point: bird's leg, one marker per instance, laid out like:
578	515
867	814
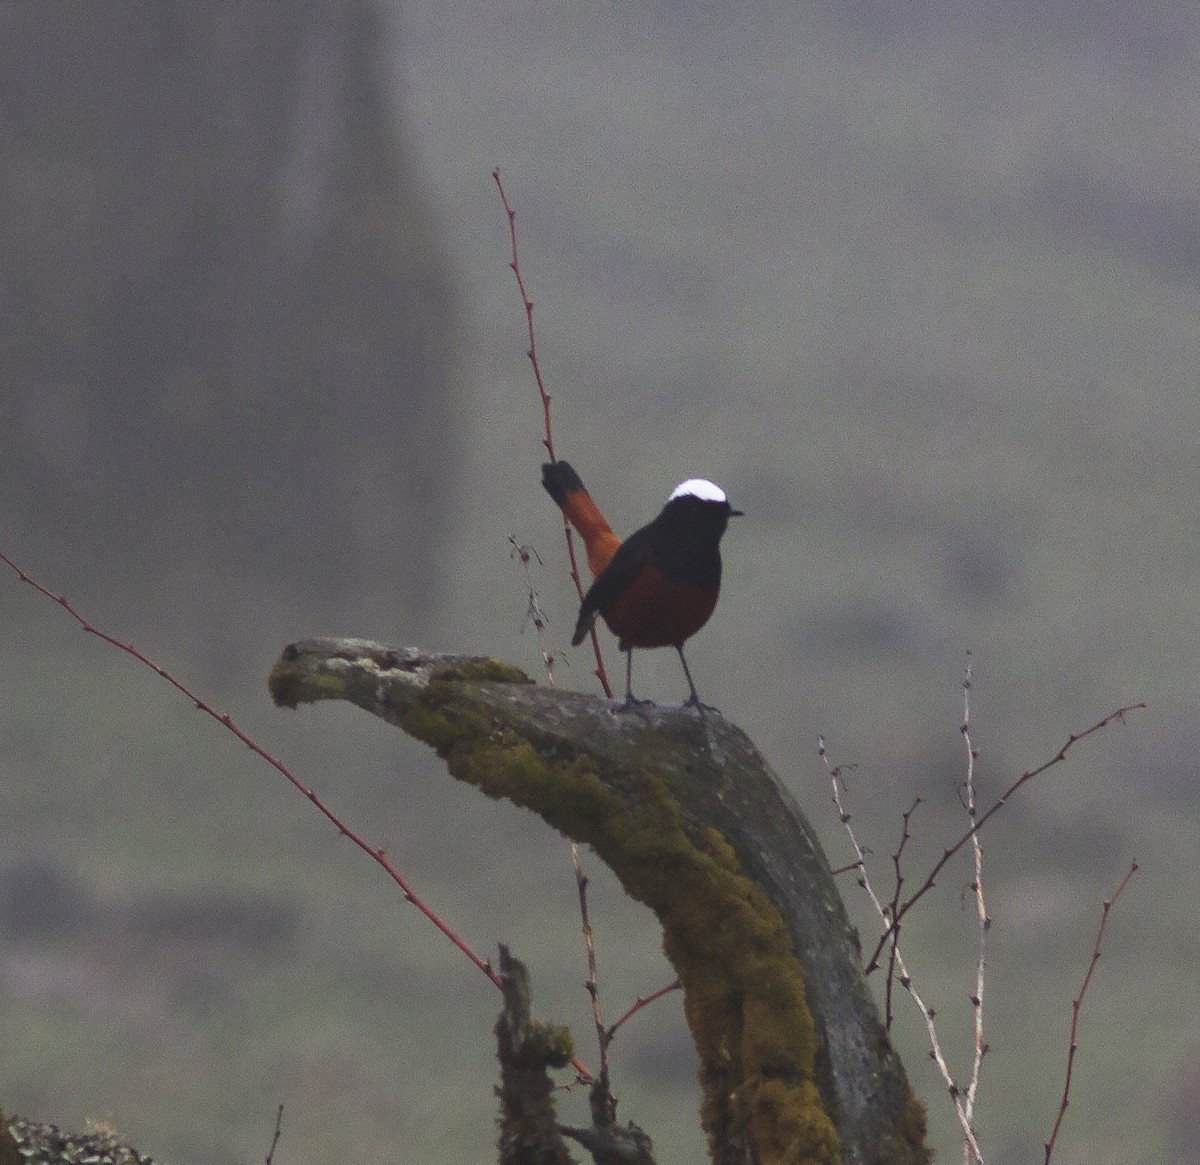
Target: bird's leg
631	704
693	701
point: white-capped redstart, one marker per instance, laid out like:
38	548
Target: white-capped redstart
659	586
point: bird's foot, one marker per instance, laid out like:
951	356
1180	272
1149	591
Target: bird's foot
632	704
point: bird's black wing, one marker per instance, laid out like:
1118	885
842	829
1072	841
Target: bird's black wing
614	580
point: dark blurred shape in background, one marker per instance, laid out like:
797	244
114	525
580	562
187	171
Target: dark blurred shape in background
227	333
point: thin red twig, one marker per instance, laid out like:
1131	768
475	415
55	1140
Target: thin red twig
275	1139
515	266
1024	778
548	439
639	1003
226	721
1077	1004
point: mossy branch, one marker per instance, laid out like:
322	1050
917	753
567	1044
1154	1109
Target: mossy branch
795	1064
529	1133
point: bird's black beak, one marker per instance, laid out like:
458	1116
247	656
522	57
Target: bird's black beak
736	514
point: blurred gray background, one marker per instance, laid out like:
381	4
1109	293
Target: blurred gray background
919	285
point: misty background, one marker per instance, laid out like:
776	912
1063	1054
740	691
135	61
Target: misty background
920	286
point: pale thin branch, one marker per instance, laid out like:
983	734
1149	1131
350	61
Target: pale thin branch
905	838
604	1035
927	1014
1118	715
980	909
591	983
533	611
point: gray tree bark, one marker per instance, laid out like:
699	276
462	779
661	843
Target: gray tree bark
795	1063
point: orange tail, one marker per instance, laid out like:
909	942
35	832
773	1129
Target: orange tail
563	485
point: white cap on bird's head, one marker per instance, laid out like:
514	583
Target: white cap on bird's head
698	487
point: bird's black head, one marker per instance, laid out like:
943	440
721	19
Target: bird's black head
700	507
